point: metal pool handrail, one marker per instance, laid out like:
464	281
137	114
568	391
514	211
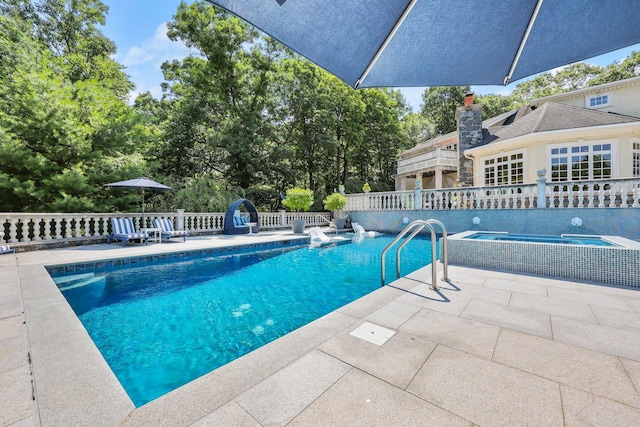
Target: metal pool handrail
417	226
330	223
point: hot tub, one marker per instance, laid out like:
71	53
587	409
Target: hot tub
611	260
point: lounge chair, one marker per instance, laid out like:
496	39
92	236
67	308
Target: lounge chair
360	231
167	230
123	230
237	223
5	249
316	235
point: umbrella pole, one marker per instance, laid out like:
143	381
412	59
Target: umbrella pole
143	224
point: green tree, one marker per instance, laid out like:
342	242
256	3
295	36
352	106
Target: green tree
59	140
69	29
310	124
439	106
375	159
494	105
417	128
571	77
218	100
626	69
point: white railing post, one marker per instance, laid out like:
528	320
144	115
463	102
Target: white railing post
542	192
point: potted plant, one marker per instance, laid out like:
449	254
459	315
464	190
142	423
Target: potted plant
335	202
298	199
366	188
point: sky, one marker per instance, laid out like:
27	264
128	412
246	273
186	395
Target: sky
139	30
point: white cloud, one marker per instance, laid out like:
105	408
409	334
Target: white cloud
157	49
143	62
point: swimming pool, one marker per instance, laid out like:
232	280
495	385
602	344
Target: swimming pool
611	260
161	323
564	239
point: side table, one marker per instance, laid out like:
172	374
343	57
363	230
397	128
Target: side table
155	234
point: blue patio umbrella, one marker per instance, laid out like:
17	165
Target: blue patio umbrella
404	43
142	184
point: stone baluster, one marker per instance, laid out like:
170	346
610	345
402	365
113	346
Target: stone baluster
601	196
57	227
623	195
636	195
38	224
13	231
101	226
570	197
47	228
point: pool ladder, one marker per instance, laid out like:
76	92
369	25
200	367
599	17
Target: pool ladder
417	227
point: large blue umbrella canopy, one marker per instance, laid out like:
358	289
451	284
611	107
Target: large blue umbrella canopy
142	184
404	43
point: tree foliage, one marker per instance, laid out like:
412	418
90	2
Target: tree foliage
59	137
439	105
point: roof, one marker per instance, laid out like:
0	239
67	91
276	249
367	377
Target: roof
551	117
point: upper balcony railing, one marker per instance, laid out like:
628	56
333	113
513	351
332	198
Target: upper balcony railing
437	157
617	193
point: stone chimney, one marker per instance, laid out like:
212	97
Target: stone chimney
469	120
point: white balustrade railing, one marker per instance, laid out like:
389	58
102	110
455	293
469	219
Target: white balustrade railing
619	193
43	227
615	193
434	154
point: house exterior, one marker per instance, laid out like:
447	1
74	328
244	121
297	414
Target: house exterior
587	134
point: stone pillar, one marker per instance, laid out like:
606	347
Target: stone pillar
542	189
418	192
469	120
180	220
438	181
403	183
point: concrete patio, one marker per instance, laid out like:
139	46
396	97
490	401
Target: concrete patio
490	349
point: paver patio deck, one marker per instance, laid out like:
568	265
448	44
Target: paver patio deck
490	348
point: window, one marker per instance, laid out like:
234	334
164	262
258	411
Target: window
504	169
636	158
581	162
597	101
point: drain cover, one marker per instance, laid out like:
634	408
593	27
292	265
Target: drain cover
373	333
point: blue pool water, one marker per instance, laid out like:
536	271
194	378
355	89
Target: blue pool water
538	238
164	323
